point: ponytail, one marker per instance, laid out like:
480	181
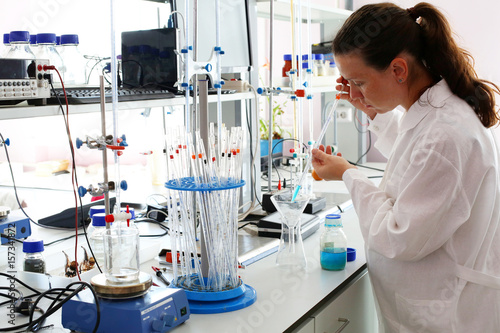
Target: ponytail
380	32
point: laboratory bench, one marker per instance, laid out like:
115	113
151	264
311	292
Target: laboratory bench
305	301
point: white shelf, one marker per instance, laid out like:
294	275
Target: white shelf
23	110
318	13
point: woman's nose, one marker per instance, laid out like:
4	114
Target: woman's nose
355	92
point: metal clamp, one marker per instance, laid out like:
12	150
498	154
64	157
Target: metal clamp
345	322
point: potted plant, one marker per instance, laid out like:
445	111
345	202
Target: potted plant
278	132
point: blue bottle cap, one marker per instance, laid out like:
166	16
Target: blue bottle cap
69	39
351	254
333	220
45	38
305	65
318	56
99	220
6	38
32	245
287	57
96	209
19	36
32	39
305	57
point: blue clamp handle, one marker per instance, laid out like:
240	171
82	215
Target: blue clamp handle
208	67
123	185
7	142
82	191
79	143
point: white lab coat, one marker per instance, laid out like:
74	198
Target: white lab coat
432	229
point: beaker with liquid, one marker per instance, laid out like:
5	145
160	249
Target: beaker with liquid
291	249
121	252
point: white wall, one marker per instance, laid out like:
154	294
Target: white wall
475	24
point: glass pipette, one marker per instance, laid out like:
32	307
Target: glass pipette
316	145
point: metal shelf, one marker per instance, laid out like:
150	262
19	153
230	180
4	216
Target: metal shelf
318	13
23	110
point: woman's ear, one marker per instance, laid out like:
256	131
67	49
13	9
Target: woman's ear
399	69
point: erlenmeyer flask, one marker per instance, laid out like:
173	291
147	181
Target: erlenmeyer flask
291	250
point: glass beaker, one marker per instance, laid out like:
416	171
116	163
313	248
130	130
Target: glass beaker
291	249
121	252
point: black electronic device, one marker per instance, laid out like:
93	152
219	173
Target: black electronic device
313	206
149	59
23	79
66	218
270	225
93	95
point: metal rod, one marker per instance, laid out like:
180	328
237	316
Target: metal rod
104	151
271	120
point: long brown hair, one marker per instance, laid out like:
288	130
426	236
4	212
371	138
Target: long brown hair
379	32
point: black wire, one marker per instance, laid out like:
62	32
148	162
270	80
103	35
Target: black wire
12	289
369	147
8	296
366	167
247	223
10	238
149	220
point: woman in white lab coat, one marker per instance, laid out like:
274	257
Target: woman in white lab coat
431	228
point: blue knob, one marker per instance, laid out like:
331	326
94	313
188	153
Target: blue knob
222	82
7	142
293	98
279	88
123	185
190	47
124	141
79	143
292	72
309	97
217	86
184	84
309	143
217	48
208	67
222	52
294	155
260	91
184	51
309	70
190	87
82	191
305	84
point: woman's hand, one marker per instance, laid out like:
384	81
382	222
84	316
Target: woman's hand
345	94
327	166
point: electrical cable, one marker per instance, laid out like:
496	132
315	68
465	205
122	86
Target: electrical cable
368	149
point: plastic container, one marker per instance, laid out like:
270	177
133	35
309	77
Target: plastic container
319	65
333	70
47	50
33	256
333	244
96	233
20	45
121	252
74	62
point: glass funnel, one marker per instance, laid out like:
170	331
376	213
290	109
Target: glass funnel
291	250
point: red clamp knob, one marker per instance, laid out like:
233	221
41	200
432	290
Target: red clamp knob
300	93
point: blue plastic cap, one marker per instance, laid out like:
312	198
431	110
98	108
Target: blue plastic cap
351	254
294	155
69	39
305	57
124	185
318	57
305	65
45	38
333	220
309	97
222	52
33	39
217	86
6	38
260	91
217	48
99	220
287	57
19	36
96	209
184	51
79	143
32	245
82	191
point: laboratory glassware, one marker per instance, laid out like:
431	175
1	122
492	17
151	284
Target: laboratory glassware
33	255
333	244
121	252
291	249
46	50
74	63
96	233
20	45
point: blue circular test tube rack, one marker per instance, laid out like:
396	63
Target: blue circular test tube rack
206	301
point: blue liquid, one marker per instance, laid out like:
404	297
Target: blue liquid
332	259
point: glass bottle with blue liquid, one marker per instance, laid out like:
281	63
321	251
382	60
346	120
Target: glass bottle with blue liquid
333	244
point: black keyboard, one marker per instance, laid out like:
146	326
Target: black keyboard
93	95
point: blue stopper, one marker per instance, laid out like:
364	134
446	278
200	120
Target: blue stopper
123	185
82	191
79	143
